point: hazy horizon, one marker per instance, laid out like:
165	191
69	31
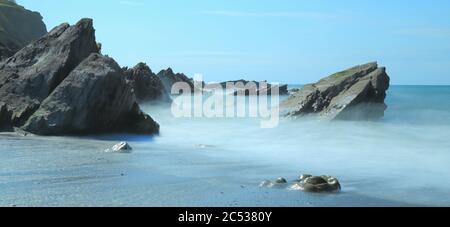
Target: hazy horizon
294	42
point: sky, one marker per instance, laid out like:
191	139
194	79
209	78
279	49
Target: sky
286	41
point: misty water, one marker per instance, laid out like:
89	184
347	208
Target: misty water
402	160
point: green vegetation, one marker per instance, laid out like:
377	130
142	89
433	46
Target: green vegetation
18	27
12	4
344	73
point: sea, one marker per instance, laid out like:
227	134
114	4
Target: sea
401	160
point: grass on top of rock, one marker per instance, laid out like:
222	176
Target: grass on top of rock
6	3
343	74
3	19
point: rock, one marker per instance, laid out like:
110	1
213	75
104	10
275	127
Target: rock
278	183
293	91
61	85
266	184
18	28
31	75
303	177
317	184
281	180
122	147
257	88
357	93
93	98
169	78
147	86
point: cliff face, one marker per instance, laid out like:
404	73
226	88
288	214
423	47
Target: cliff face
18	28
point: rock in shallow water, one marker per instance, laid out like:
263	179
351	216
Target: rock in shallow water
281	180
122	147
306	183
278	183
357	93
318	184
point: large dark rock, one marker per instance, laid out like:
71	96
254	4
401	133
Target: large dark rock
147	86
28	77
61	85
169	78
94	98
357	93
18	28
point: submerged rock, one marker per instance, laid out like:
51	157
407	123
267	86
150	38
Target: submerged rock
357	93
147	86
278	183
306	183
18	28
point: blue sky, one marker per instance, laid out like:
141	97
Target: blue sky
289	41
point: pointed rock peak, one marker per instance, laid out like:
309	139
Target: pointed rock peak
56	31
169	71
85	22
142	66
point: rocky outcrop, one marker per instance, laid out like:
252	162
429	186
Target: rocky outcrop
357	93
256	88
94	98
18	28
147	86
28	77
169	78
61	85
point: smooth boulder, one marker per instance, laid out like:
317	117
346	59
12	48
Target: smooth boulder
357	93
318	184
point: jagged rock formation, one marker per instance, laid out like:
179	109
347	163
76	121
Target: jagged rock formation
18	28
169	78
147	86
256	88
60	84
357	93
